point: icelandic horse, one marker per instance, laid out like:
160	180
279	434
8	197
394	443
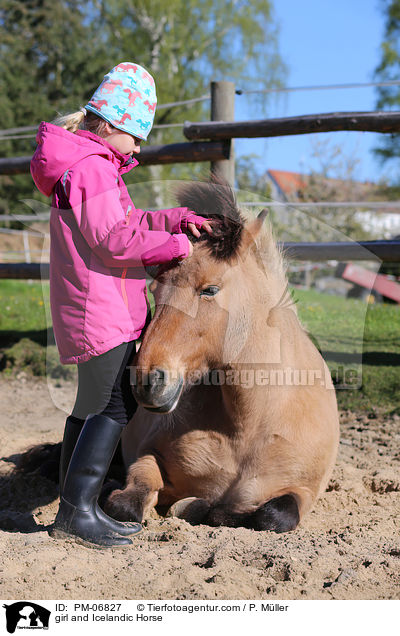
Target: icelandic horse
236	405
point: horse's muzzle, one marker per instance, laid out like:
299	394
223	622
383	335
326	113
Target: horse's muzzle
156	391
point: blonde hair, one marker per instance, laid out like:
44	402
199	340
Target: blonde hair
81	119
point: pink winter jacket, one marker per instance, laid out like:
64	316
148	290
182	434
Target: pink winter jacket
99	242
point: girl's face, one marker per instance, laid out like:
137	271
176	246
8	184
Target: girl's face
123	142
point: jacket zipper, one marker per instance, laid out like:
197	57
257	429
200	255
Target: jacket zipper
123	275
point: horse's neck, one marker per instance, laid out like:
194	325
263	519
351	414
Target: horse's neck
271	312
234	402
246	405
203	407
272	344
271	335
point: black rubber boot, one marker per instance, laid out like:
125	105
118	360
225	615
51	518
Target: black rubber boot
73	427
78	515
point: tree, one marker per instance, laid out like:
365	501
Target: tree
186	44
44	69
58	52
388	70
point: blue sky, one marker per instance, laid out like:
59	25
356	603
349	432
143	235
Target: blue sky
323	42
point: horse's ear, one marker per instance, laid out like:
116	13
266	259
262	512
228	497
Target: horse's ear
153	285
251	231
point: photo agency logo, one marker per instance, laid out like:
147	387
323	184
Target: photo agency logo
26	615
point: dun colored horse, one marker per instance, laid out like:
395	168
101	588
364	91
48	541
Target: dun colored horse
237	407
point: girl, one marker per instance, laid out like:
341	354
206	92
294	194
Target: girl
100	245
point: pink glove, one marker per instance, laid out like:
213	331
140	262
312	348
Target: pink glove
193	218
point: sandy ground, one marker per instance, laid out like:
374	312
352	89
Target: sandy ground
347	548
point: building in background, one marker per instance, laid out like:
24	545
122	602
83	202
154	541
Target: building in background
377	221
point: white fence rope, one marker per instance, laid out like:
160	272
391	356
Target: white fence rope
23	251
321	87
6	230
25	217
377	206
9	133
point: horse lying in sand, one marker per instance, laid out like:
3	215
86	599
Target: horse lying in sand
237	408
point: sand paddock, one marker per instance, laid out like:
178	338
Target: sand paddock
348	547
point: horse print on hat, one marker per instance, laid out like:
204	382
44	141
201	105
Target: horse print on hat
127	99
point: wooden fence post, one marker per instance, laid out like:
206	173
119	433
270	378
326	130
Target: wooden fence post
223	109
27	250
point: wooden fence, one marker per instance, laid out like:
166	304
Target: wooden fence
152	155
339	251
212	141
382	122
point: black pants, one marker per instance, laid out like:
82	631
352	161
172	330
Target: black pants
104	385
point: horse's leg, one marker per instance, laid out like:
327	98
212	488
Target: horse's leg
140	494
192	509
277	515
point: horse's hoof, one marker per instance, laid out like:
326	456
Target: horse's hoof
191	509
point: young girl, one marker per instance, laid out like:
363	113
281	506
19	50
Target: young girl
100	244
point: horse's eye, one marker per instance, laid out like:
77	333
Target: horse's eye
211	290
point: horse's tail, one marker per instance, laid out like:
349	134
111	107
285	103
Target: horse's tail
41	458
277	515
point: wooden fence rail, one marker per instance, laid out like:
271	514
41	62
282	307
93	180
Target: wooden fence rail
383	122
153	155
385	251
21	271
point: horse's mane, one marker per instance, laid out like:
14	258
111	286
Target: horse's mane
216	200
271	254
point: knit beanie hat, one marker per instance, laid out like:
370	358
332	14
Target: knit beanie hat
127	99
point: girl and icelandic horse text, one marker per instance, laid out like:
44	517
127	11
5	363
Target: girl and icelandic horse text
255	453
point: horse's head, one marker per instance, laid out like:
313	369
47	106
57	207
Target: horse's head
202	302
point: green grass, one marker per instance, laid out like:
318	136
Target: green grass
22	305
26	342
361	343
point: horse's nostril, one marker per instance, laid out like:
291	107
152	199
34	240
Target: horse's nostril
157	377
158	389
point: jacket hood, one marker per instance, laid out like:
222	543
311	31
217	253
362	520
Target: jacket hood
59	149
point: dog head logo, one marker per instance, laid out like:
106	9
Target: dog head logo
26	615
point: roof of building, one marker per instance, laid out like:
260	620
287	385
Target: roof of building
290	183
294	186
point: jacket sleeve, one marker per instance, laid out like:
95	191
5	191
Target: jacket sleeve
123	247
173	220
169	220
94	198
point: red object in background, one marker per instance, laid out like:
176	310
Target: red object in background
379	282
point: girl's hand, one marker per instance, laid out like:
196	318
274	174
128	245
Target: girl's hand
194	222
204	226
